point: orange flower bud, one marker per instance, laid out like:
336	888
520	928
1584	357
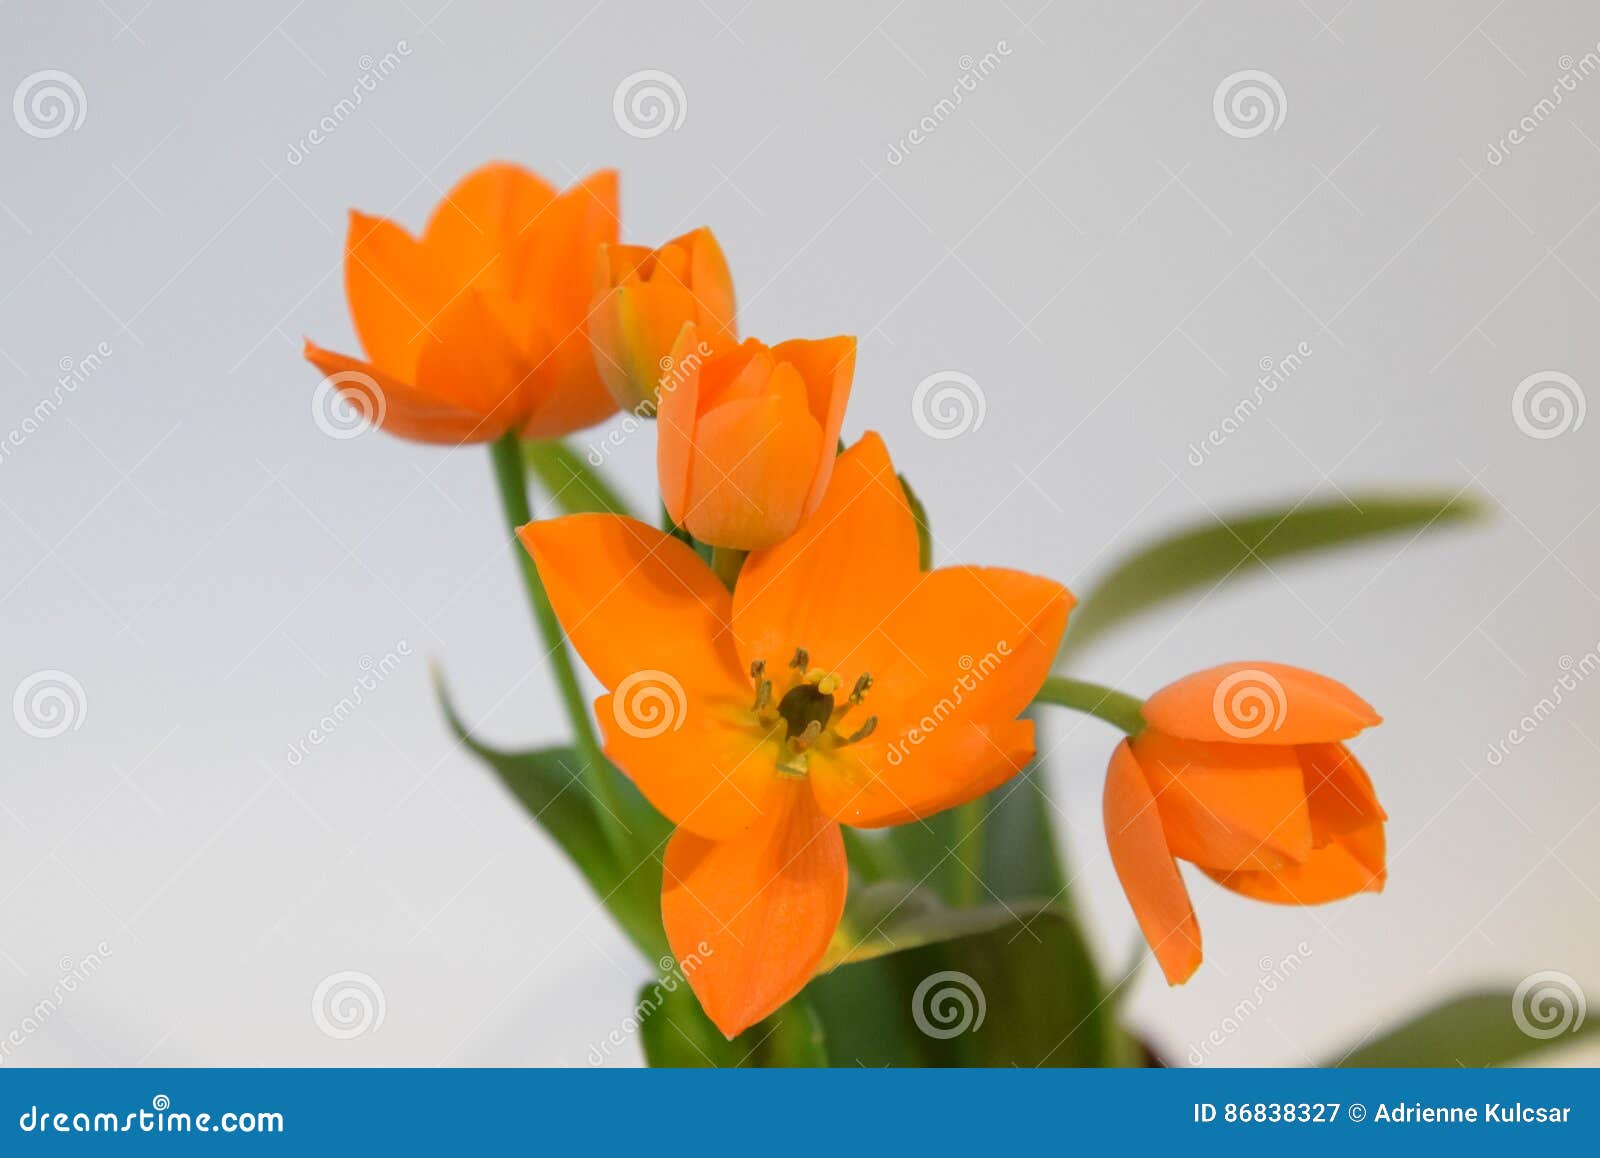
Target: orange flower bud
747	438
1242	771
644	298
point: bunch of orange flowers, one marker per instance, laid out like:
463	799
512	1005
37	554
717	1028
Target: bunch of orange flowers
807	651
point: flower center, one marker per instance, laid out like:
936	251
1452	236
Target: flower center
808	709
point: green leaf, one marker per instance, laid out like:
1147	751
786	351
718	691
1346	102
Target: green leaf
548	783
1216	550
892	917
1020	853
572	483
924	528
924	850
1474	1030
676	1033
862	1008
793	1037
1043	996
1032	981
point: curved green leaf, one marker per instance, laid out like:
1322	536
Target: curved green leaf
676	1033
1215	550
1475	1030
572	483
892	917
548	783
924	528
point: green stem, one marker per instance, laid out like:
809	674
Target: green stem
1116	708
969	851
508	472
726	561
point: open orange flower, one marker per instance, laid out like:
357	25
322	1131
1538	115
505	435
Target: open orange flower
645	297
478	327
837	684
1241	771
747	438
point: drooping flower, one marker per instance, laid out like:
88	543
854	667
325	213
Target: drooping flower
746	439
837	684
478	327
644	298
1242	771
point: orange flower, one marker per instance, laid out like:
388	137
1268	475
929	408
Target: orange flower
1241	771
747	438
837	684
645	297
478	327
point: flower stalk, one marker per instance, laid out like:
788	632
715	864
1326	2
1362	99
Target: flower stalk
506	453
1118	709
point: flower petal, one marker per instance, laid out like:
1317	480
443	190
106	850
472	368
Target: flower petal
828	366
757	910
632	599
1228	806
395	290
563	243
556	293
701	759
713	287
478	232
874	783
751	466
952	666
973	642
632	330
469	359
395	406
1339	791
678	402
829	585
1259	703
1148	873
1353	863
